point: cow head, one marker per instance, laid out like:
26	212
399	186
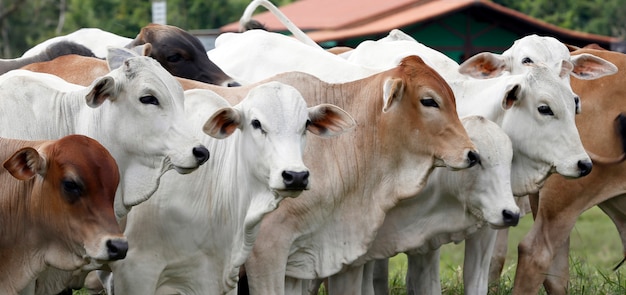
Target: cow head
534	50
74	183
141	109
181	54
539	119
485	189
418	96
273	120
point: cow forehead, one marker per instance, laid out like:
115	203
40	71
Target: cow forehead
416	72
542	81
152	74
276	103
81	158
547	50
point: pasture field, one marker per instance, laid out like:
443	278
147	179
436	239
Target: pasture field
595	250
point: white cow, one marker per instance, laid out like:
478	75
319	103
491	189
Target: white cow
525	52
135	111
192	236
93	38
284	53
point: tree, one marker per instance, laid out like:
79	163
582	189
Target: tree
603	17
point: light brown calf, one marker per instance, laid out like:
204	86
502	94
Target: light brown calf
56	208
543	253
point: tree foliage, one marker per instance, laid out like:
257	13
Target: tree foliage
603	17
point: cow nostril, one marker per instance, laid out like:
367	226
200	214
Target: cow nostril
585	167
117	249
296	180
233	84
510	218
201	153
473	158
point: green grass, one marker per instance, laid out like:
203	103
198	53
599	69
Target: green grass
595	250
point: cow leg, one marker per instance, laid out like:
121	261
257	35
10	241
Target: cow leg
498	257
267	262
314	286
367	282
615	208
478	249
536	251
346	282
422	276
295	286
557	282
381	276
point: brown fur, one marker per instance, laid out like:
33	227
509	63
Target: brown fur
38	216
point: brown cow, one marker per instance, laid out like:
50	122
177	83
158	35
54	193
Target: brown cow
543	253
181	54
56	208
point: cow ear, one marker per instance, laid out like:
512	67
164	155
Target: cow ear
117	55
101	89
328	120
511	96
483	66
143	49
25	163
392	91
566	69
590	67
223	123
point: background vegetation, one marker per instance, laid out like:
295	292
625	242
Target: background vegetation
24	23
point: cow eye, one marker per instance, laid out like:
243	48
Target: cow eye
149	99
429	102
527	60
256	124
72	190
545	110
174	58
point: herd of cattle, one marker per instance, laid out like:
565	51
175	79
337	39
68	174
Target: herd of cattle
408	151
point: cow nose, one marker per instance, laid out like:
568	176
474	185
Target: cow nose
233	84
510	218
296	180
117	249
473	158
201	153
585	167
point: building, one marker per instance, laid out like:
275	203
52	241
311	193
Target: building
458	28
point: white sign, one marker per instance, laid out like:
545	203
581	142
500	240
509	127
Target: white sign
159	12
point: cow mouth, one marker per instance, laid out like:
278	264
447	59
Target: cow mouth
168	165
287	193
184	170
